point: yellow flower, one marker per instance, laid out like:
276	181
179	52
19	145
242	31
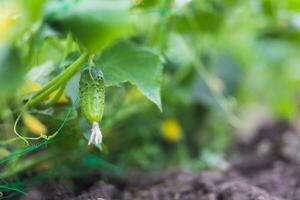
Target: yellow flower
134	94
62	99
34	125
7	20
30	87
171	130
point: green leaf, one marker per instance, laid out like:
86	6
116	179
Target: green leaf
197	19
140	66
95	24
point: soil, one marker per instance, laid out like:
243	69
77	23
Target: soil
266	167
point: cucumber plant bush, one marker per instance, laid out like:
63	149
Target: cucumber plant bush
170	70
47	46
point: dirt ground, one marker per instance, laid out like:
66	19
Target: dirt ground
264	167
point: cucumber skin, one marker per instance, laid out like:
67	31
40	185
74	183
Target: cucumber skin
92	94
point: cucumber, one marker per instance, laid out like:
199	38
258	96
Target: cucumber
92	100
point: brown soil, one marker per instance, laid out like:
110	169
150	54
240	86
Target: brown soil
266	168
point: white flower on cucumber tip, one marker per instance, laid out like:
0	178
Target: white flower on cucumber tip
96	136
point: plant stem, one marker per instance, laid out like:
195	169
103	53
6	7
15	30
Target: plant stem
58	81
207	77
34	32
28	163
123	113
164	9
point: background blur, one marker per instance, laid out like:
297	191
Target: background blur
229	67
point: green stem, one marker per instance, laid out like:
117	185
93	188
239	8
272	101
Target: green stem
58	81
219	98
207	77
164	5
32	50
28	163
123	113
6	142
11	189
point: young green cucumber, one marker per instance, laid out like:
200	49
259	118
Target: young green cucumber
92	95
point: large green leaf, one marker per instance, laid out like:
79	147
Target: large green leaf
95	24
140	66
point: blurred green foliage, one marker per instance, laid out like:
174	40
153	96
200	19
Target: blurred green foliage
204	63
